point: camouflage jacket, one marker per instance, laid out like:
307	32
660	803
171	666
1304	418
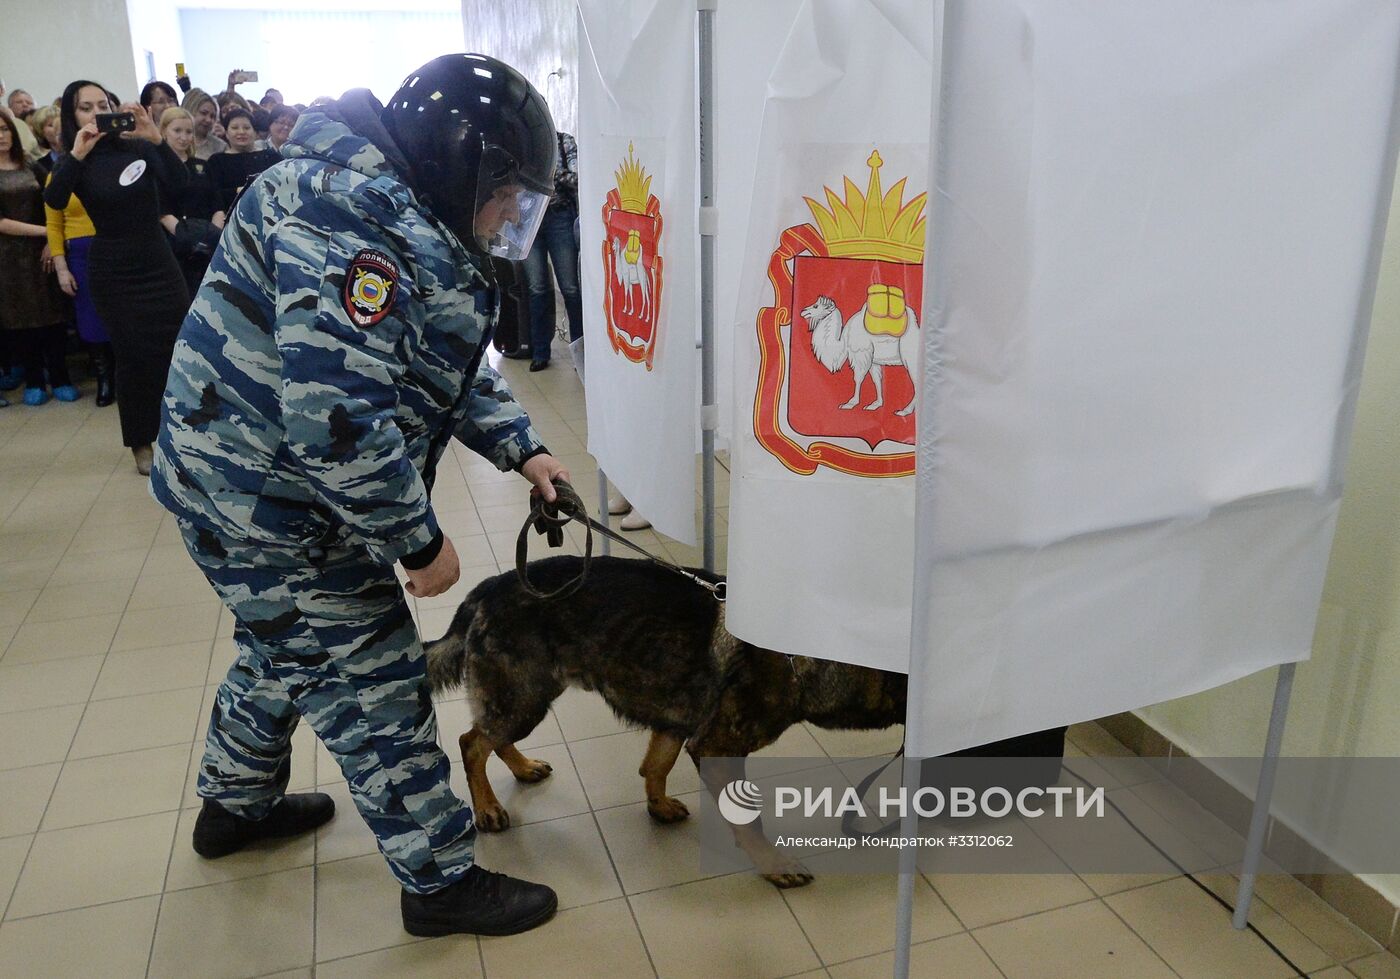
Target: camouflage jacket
331	354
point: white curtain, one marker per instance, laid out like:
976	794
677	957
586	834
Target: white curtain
1154	249
826	342
637	204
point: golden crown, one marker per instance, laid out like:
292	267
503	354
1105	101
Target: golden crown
873	224
633	184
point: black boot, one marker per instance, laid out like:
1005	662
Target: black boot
481	903
218	832
106	378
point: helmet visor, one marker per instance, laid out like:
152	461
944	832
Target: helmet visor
508	212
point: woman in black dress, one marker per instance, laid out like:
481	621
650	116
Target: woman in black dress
191	216
235	167
136	283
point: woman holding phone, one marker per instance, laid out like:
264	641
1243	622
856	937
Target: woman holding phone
136	283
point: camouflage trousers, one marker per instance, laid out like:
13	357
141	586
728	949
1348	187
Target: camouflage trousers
326	634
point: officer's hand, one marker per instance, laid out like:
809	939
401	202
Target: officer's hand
437	577
541	471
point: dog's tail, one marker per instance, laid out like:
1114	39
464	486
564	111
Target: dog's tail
447	657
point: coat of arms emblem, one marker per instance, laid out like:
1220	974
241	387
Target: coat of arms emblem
839	347
631	263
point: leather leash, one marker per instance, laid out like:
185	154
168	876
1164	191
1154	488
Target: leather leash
550	519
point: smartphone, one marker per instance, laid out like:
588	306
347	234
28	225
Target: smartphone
115	122
179	69
250	76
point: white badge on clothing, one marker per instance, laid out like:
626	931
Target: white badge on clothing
132	173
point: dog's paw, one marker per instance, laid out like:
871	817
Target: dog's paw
788	875
667	809
533	770
492	818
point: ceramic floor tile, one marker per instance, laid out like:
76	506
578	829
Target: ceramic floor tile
454	957
954	957
140	671
1193	934
583	714
1086	941
129	723
1314	917
242	928
112	941
59	602
346	835
1272	925
981	899
357	908
110	565
52	684
25	792
1382	965
532	852
608	768
13	851
41	642
600	938
225	654
136	783
88	865
183	589
859	744
100	538
735	926
847	915
26	575
14	606
649	855
147	628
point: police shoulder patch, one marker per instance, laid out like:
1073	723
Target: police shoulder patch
371	282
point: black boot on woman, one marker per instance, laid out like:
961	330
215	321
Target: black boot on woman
105	370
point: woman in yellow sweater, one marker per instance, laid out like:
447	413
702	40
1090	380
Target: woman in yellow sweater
70	237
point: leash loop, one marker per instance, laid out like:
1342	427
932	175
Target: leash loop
550	519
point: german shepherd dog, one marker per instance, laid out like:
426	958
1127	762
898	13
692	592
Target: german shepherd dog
654	646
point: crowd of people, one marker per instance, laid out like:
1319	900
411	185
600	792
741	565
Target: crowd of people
105	235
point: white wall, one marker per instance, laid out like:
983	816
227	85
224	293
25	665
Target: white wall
310	53
155	27
61	40
536	37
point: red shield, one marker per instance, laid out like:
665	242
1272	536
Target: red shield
823	402
807	387
632	299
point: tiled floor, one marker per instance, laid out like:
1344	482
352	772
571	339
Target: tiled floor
112	645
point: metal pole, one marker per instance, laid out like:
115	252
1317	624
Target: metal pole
1268	769
605	545
707	219
921	616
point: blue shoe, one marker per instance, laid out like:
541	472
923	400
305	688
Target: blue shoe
11	379
4	403
34	397
67	392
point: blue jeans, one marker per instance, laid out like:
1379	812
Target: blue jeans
554	245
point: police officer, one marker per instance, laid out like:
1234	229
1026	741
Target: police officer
332	353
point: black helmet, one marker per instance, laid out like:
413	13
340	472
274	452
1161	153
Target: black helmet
481	144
